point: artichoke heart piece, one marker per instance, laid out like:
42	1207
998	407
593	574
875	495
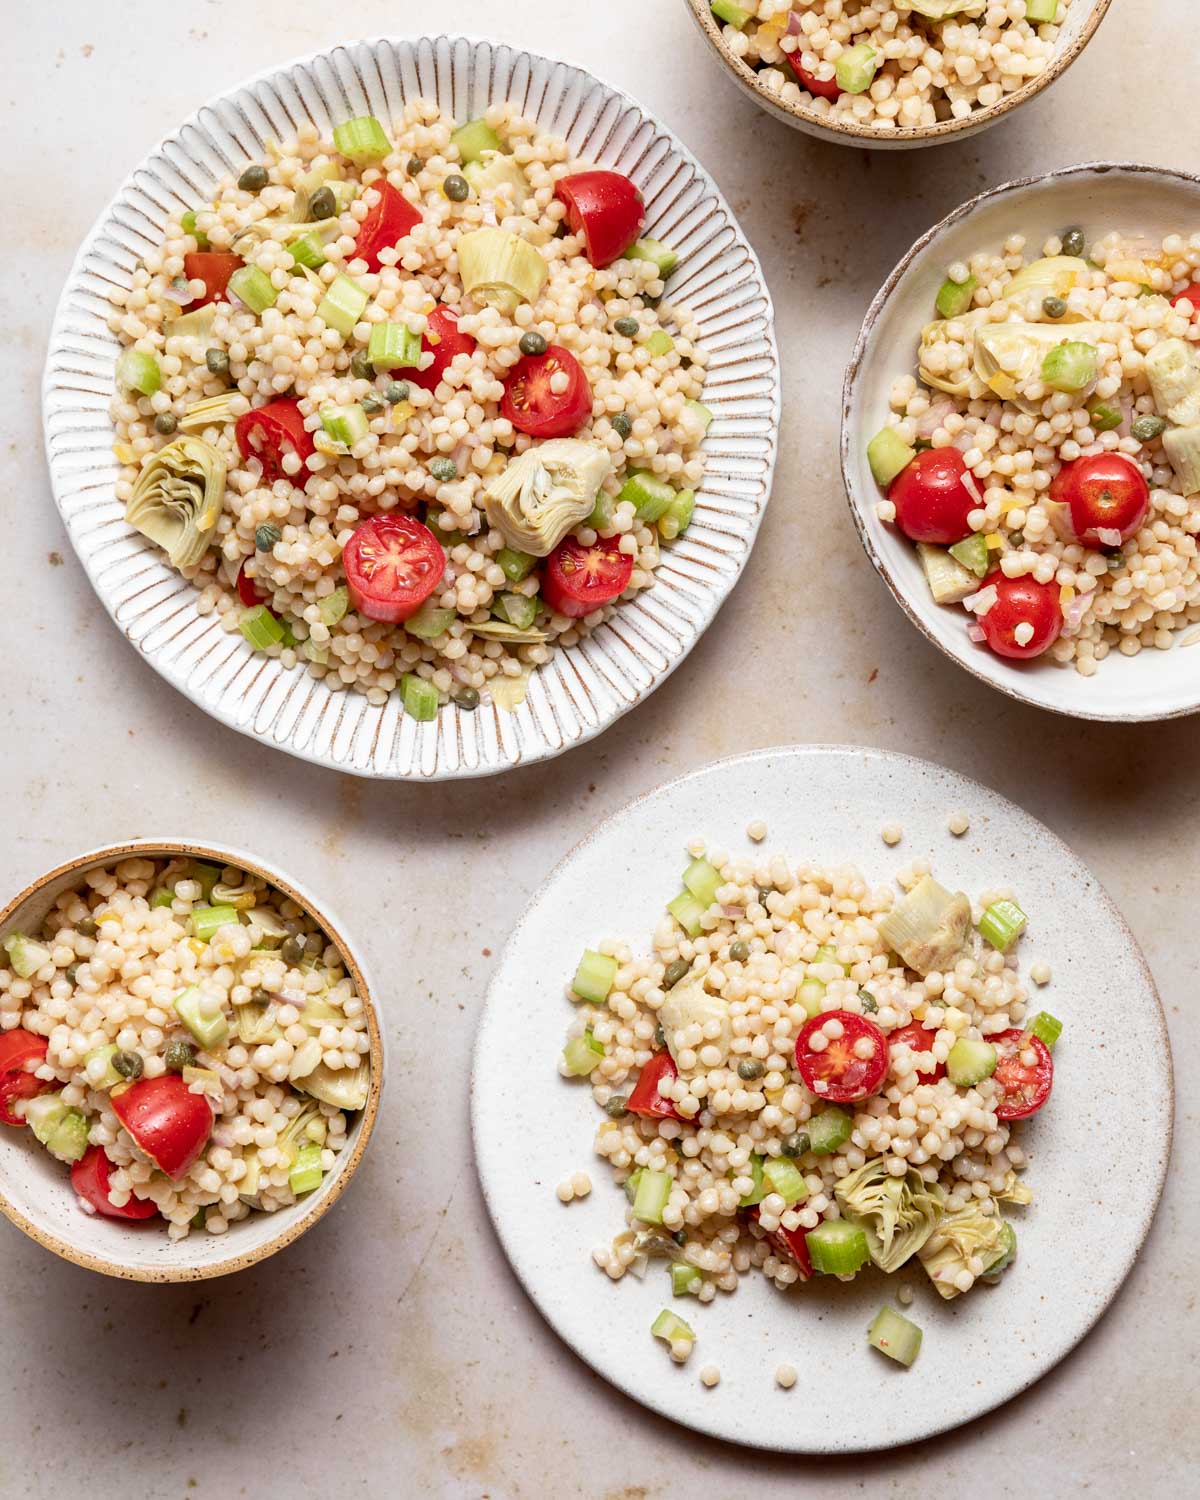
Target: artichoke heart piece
965	382
1006	355
1014	1190
197	324
690	1004
544	492
176	499
956	1238
514	635
500	269
344	1088
897	1214
210	411
495	174
1052	276
928	927
1173	371
1182	447
938	10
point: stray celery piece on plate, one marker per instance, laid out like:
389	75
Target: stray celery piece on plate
1046	1028
702	412
889	455
688	912
581	1054
595	976
703	880
894	1335
837	1247
260	627
1002	924
686	1281
363	140
670	1326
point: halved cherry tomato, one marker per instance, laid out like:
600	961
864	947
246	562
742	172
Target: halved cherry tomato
166	1120
644	1099
270	431
443	340
1024	1087
248	591
213	268
1022	601
836	1072
89	1178
1189	294
606	208
920	1039
19	1051
532	406
1105	493
386	224
932	497
579	579
821	88
794	1244
393	563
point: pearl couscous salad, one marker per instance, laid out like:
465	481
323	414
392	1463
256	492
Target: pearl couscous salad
1046	458
183	1038
407	404
888	67
809	1076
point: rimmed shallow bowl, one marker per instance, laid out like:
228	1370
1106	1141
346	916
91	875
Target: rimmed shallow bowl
1092	1204
1077	31
582	690
35	1190
1100	196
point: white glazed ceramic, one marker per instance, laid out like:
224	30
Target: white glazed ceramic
1077	31
583	690
1100	197
35	1190
1100	1148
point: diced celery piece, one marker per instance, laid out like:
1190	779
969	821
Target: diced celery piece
855	69
595	976
581	1054
631	1183
429	622
515	565
972	553
25	956
786	1179
678	515
810	994
138	371
732	14
393	346
829	1130
1046	1028
1002	924
304	1174
334	606
260	627
760	1189
44	1114
162	896
1040	12
970	1062
188	224
670	1326
703	880
308	250
889	455
896	1336
650	495
345	424
653	1190
1105	418
658	343
701	412
688	912
662	255
70	1140
208	1030
110	1077
954	297
419	697
343	304
517	609
254	288
601	516
363	140
205	920
474	138
206	876
686	1281
837	1248
1070	367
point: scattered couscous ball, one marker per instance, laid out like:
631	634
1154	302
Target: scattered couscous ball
756	831
891	833
578	1185
958	823
785	1377
1040	973
710	1376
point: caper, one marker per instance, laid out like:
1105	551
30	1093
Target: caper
322	204
1073	242
265	536
796	1145
443	469
869	1003
371	405
1147	428
622	425
179	1055
750	1067
291	950
72	973
532	343
1054	307
763	892
86	928
165	423
254	178
456	188
660	1038
216	361
261	997
617	1107
396	391
739	951
415	165
675	972
361	367
626	327
467	698
1115	560
128	1064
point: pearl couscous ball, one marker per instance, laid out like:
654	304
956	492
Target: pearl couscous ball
129	986
892	67
422	453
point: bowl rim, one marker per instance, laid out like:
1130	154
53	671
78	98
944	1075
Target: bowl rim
348	1165
909	135
541	747
979	664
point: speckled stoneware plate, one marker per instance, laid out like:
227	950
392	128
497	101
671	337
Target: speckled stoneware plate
583	690
1100	196
1093	1202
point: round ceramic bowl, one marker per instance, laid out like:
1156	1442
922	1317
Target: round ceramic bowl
35	1190
1077	31
582	690
1099	196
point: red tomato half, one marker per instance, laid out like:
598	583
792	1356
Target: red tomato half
213	268
836	1072
166	1120
579	579
530	404
386	224
920	1039
932	497
1105	493
606	209
19	1051
393	564
1023	1087
89	1178
248	590
1022	601
443	340
794	1244
645	1100
1189	294
270	431
820	88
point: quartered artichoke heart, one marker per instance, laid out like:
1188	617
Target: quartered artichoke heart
928	927
515	635
210	411
897	1214
1182	447
344	1088
500	269
497	175
956	1238
177	498
688	1004
544	492
1051	276
1173	370
966	382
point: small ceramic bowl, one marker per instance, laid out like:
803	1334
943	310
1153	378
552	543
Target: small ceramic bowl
35	1190
1077	31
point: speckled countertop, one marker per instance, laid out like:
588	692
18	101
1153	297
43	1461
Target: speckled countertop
391	1352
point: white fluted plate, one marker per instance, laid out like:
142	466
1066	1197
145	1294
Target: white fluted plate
583	689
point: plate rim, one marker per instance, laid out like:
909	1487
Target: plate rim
883	756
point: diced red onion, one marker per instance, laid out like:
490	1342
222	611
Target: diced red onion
972	488
1108	536
977	633
979	603
928	422
793	24
1073	613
